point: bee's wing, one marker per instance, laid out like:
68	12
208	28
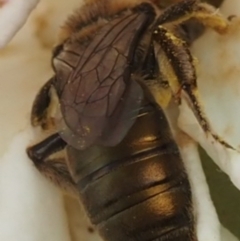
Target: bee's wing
97	94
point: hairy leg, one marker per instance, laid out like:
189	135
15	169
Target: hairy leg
57	172
56	169
177	66
41	107
187	9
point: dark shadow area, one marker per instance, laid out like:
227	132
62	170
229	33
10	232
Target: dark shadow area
225	196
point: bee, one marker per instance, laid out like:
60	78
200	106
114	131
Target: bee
116	68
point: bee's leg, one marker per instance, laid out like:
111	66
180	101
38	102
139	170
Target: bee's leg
39	114
55	169
155	81
57	172
187	9
175	61
177	65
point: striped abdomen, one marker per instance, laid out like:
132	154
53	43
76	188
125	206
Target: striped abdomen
138	190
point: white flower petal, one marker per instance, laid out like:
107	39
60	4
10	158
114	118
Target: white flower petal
219	87
13	15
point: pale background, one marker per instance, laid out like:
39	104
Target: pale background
24	67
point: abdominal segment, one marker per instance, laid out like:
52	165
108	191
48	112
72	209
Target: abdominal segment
137	190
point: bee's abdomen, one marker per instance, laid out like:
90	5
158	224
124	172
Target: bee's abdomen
137	191
146	200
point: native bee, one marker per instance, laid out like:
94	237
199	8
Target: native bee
117	66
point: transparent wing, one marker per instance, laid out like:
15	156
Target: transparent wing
95	88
